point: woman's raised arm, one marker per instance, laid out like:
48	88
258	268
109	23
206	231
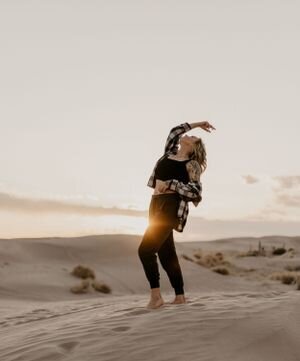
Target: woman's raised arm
203	125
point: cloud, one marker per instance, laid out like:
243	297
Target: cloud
288	182
250	179
288	200
11	202
287	191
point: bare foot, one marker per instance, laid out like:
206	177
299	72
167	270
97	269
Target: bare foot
179	299
155	302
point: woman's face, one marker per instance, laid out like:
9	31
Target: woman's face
188	140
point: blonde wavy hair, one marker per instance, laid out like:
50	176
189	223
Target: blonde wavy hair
199	154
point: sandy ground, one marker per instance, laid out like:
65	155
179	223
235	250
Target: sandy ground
245	315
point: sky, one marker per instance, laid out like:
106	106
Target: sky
90	90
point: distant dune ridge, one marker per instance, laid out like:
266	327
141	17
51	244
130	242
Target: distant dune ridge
243	301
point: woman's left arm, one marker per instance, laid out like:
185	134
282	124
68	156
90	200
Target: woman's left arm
205	125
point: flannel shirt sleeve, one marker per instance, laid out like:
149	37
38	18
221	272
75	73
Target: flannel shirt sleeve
174	136
191	191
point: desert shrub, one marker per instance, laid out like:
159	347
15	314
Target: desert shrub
101	287
83	272
220	256
286	278
212	259
188	258
222	270
279	251
198	254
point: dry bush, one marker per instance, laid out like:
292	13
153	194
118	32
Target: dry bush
222	270
211	259
286	278
83	272
188	258
219	255
101	287
279	251
82	288
198	254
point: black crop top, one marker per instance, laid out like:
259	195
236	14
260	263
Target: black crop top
172	169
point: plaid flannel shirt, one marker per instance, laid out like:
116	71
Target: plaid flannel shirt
189	192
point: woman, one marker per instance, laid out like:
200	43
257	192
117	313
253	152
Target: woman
176	181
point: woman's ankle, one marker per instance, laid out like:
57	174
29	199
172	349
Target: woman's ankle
155	293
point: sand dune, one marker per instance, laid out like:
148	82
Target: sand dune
239	317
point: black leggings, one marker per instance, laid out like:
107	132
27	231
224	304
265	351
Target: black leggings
158	238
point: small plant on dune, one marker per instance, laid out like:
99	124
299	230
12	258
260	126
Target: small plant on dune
221	270
220	256
279	251
188	258
101	287
286	278
83	272
211	259
198	254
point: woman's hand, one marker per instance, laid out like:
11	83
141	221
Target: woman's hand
204	125
161	186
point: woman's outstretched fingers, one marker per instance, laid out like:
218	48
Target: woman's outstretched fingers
207	126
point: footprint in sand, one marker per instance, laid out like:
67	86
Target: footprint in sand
138	312
68	346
